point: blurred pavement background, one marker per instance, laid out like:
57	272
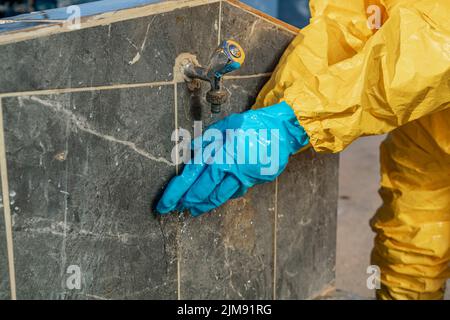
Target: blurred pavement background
359	179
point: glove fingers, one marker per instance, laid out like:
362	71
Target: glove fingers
178	186
200	190
226	190
221	194
240	192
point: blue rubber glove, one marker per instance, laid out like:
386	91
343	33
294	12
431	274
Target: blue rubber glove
268	136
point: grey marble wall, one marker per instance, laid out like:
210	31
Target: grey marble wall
88	118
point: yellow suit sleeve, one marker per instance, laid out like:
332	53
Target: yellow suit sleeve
401	73
337	31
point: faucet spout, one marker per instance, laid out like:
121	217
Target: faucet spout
228	57
195	72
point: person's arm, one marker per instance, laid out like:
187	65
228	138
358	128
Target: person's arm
402	73
337	31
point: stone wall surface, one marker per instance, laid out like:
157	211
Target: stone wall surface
88	117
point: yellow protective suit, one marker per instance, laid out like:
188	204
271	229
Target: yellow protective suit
346	79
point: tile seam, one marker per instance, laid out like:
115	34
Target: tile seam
46	92
7	208
248	76
275	230
219	32
178	227
66	208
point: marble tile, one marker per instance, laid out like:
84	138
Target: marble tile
132	51
85	183
306	237
227	254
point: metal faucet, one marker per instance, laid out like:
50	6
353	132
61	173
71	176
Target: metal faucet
228	57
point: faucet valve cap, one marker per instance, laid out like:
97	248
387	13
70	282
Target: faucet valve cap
216	98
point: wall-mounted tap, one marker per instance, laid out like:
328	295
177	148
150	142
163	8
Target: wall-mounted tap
228	57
